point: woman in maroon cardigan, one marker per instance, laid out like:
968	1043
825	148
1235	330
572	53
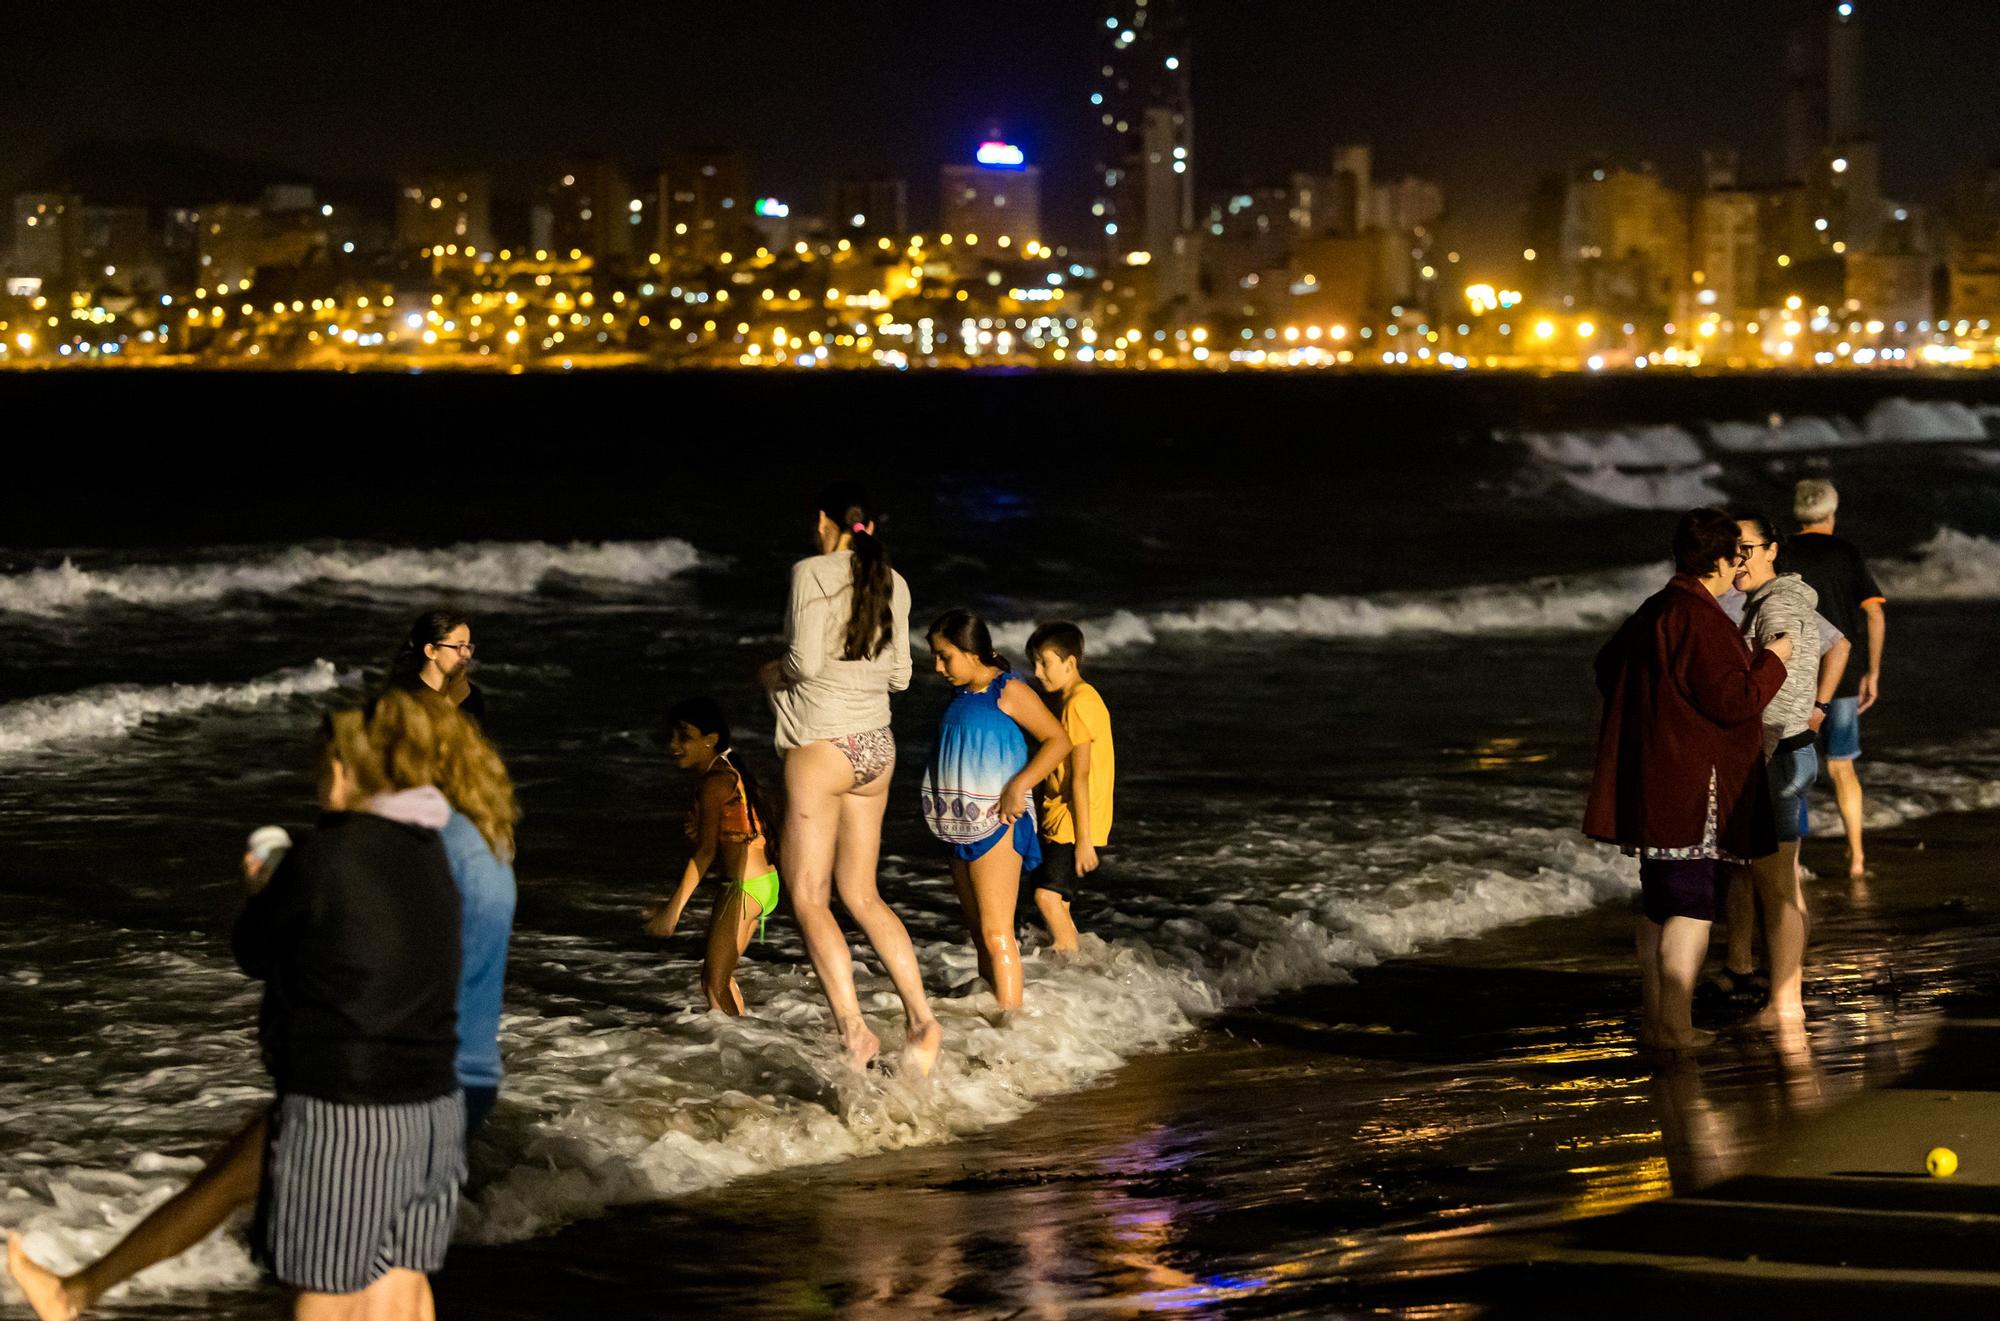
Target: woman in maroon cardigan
1680	765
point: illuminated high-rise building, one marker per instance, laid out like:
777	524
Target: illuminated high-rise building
998	196
1144	185
1822	109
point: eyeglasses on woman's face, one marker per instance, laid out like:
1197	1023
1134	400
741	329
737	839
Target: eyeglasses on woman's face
462	648
1745	549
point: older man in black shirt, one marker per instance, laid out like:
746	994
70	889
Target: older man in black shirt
1848	596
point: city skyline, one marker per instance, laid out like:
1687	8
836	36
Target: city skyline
345	100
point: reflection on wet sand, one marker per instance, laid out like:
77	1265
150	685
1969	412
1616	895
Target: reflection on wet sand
1315	1156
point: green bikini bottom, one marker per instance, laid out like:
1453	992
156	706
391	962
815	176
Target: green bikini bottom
764	891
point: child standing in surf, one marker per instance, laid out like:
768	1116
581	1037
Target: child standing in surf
726	825
1076	801
976	789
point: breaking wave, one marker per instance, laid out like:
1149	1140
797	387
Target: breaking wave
116	710
1951	566
496	567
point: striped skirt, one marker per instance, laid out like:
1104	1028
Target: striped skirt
353	1191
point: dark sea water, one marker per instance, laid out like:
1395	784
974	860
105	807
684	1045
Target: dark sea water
1342	625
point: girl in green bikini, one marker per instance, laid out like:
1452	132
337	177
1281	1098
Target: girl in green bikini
726	825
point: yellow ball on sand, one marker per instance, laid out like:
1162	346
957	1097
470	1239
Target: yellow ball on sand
1942	1162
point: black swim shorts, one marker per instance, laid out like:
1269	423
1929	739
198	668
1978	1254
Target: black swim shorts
1677	887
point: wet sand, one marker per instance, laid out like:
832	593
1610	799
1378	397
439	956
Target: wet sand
1364	1148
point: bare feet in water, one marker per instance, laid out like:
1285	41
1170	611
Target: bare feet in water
922	1044
43	1287
863	1046
1693	1040
1771	1016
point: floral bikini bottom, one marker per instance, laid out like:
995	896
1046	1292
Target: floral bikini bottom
868	753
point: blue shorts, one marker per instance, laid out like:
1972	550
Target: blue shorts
1027	843
1842	730
1791	774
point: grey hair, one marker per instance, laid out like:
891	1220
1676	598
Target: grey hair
1814	500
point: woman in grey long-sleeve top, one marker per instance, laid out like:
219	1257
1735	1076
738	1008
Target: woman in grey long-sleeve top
1774	605
847	647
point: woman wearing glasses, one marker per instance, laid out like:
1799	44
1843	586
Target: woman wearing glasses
437	655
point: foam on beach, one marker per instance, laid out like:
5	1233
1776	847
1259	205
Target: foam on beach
1672	467
491	567
609	1104
117	710
1950	566
1536	605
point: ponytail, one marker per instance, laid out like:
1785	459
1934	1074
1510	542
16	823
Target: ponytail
871	621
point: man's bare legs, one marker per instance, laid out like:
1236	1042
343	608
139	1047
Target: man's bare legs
400	1295
1670	959
1847	794
833	827
1784	902
229	1181
988	888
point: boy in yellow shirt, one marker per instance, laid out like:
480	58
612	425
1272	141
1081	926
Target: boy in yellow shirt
1076	798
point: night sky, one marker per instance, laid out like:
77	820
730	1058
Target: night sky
1481	94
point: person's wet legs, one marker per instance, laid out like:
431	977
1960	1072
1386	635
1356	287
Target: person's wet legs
1740	911
1782	898
859	852
728	936
817	778
1056	916
228	1182
1847	795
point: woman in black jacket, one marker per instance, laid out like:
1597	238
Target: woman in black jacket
356	940
356	1165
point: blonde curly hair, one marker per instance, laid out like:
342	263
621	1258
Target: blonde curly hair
422	738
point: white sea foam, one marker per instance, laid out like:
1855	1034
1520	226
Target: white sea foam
631	1114
499	567
116	710
1951	566
1635	447
1782	434
1676	488
1891	421
604	1107
1539	605
1923	420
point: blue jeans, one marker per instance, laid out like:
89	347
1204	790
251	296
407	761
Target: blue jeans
1791	774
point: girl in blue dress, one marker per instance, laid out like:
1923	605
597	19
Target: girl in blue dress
976	789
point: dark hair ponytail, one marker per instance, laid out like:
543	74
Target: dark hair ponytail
871	621
705	714
430	628
968	632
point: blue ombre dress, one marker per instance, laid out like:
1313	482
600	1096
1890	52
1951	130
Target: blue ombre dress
979	748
